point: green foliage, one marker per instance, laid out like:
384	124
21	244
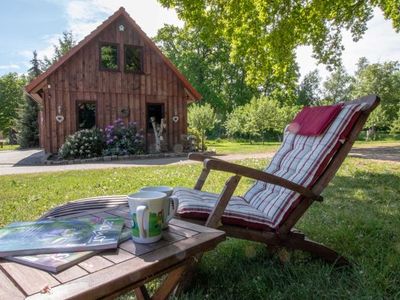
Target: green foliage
86	143
207	66
109	57
258	117
123	140
35	70
338	86
309	89
395	126
28	129
382	79
65	43
263	35
11	99
202	118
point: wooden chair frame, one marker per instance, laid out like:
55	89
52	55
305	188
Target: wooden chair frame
285	236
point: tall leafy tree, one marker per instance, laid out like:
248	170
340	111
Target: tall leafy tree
11	99
338	86
263	35
207	66
382	79
65	43
309	89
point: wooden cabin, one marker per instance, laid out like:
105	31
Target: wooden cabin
115	72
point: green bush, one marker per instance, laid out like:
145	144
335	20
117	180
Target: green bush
86	143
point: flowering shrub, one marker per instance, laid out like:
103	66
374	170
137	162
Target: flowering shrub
122	140
85	143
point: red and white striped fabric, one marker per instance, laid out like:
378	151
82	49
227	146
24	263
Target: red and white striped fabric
300	159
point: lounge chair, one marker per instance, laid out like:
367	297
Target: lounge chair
312	151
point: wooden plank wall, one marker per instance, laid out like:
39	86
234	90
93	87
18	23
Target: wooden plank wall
80	79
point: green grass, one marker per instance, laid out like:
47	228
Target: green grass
7	147
236	147
360	218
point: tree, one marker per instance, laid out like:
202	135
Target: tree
260	116
35	70
309	89
382	79
65	43
28	129
395	126
338	86
207	66
11	99
263	35
202	118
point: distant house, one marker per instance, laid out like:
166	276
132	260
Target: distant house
115	72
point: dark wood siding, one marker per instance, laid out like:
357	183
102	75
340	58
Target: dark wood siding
80	79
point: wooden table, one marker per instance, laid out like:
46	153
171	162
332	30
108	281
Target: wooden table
113	272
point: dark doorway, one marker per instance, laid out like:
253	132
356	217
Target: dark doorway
86	112
154	110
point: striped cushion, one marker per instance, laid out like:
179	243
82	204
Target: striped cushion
300	159
198	205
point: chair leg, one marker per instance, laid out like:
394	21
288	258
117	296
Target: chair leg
316	249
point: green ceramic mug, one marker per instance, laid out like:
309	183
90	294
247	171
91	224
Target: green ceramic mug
147	211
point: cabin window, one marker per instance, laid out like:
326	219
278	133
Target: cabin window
154	110
133	59
86	112
109	57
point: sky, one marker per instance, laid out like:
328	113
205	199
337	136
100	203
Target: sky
28	25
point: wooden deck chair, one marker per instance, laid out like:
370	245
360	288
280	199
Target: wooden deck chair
295	178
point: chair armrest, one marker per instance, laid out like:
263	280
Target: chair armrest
200	157
220	165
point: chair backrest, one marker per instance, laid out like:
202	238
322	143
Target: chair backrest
310	161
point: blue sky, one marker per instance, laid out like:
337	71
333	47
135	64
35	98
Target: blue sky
27	25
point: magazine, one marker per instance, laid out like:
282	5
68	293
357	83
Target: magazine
57	262
53	236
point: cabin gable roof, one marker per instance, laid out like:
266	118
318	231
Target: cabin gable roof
39	81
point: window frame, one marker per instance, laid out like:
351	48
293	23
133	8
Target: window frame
78	102
141	71
101	67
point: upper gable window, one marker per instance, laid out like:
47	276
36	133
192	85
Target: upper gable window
109	57
133	59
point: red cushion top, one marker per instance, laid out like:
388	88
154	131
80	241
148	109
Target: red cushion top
313	121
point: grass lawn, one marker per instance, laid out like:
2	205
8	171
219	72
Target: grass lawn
360	218
9	147
234	147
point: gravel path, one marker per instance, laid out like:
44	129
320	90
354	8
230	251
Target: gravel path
23	162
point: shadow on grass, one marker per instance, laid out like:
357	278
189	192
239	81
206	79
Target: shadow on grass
381	153
360	218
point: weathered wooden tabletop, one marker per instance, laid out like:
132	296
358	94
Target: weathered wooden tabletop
112	272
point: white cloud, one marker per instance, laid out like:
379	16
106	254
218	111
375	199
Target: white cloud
9	66
85	16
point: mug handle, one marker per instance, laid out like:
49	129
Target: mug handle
140	211
175	203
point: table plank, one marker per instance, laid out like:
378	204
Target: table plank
8	290
70	274
117	256
95	263
116	277
31	280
